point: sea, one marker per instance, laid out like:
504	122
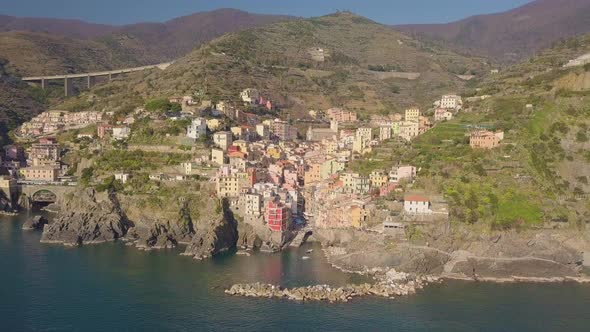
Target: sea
111	287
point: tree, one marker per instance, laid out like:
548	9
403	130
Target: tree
162	105
87	174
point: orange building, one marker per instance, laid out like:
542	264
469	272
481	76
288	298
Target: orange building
484	139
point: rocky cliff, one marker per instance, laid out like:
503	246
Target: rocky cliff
87	217
462	253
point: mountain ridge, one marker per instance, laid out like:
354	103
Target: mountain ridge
512	35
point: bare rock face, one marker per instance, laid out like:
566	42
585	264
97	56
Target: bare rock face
35	223
150	234
87	218
248	237
220	236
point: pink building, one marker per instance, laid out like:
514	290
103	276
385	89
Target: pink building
402	172
275	173
387	189
291	179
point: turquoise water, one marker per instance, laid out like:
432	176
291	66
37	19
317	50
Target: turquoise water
114	288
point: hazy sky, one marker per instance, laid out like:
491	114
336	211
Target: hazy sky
131	11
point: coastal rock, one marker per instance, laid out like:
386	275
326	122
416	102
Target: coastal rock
35	223
88	218
160	234
248	237
384	288
221	235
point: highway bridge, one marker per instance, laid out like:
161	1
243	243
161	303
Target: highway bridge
67	78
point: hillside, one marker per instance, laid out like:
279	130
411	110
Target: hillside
18	103
359	68
61	27
42	46
513	35
29	53
72	45
540	174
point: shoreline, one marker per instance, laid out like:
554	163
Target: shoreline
499	280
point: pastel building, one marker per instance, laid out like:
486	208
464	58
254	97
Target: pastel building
416	204
197	128
484	139
222	139
277	216
412	115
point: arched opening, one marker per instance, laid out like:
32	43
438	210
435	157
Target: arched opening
43	198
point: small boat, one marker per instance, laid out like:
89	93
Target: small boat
309	251
305	257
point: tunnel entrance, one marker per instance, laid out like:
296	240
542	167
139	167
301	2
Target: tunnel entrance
43	198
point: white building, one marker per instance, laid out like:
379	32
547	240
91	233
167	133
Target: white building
453	102
123	177
263	131
222	139
252	204
121	132
250	96
384	133
416	204
197	128
365	132
409	129
442	114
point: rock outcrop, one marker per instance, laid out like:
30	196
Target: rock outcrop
87	218
35	223
392	284
160	234
220	236
248	238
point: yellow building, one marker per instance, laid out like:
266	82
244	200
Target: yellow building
242	145
358	215
40	173
213	124
412	115
274	152
378	179
313	173
217	156
230	186
330	146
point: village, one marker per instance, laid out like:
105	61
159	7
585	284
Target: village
270	175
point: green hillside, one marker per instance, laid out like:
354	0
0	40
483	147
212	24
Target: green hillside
276	59
541	171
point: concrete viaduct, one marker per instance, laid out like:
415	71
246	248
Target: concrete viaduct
67	78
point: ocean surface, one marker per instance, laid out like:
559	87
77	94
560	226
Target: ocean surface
111	287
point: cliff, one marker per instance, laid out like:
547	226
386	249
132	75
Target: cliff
87	217
463	253
155	221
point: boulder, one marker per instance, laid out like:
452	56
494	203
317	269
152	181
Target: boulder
35	223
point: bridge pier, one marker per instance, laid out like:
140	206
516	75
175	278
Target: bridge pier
89	81
68	86
43	83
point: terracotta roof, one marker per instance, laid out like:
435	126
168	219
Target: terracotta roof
416	198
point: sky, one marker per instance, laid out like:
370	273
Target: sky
133	11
